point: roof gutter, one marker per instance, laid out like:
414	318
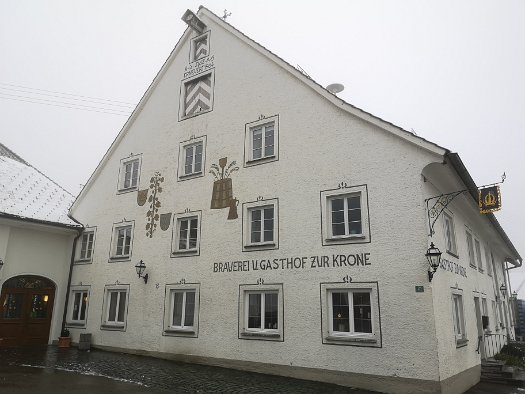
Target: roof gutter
457	164
40	221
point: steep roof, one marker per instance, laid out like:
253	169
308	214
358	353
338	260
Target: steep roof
318	88
27	194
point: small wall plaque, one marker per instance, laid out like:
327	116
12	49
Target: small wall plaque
420	289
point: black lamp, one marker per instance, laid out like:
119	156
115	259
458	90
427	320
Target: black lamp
433	256
140	267
1	263
503	289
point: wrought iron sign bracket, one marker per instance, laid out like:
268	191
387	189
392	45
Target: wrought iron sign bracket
440	203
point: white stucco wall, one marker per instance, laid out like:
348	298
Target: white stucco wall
34	249
320	147
475	282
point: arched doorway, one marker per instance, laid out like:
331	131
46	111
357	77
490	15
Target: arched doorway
26	307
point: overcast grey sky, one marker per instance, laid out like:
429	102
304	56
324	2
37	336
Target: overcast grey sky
451	71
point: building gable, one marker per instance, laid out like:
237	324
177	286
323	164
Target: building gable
198	93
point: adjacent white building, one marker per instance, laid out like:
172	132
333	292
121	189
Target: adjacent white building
282	230
36	239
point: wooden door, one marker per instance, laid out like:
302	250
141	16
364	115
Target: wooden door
26	308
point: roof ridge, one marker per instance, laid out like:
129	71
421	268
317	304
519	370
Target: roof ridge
318	84
6	152
41	173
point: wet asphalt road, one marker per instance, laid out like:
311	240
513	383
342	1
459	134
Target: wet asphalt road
51	370
54	370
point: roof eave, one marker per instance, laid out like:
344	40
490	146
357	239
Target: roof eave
461	170
11	216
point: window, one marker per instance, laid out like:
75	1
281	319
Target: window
344	215
85	244
261	143
478	255
115	307
350	313
186	233
200	47
499	316
495	313
505	314
192	155
484	309
450	236
487	259
78	305
192	159
494	270
197	95
459	321
129	173
470	246
122	241
260	223
261	312
182	310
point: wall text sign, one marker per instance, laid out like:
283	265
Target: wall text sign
453	267
199	66
294	263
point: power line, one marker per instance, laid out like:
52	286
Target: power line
129	106
64	102
68	94
65	106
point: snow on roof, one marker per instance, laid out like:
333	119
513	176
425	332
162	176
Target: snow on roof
28	194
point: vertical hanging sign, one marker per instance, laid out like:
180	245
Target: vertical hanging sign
193	21
489	199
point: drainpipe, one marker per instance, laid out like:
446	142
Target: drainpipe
511	268
514	307
73	252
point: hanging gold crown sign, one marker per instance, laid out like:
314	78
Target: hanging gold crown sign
489	199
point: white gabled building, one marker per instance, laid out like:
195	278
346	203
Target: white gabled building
36	239
282	230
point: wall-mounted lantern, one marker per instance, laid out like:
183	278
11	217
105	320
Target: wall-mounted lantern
503	289
433	256
140	267
1	263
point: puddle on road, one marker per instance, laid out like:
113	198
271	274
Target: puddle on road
83	372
